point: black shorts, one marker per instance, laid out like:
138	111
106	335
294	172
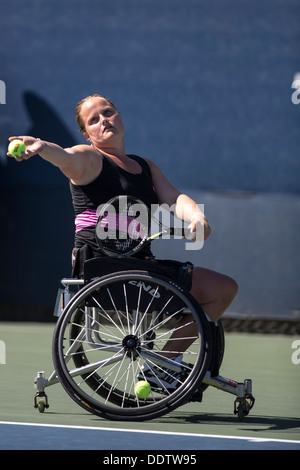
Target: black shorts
86	265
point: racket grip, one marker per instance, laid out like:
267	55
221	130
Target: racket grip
178	232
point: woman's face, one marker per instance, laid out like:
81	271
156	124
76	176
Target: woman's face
103	123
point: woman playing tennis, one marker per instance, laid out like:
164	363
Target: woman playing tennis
101	170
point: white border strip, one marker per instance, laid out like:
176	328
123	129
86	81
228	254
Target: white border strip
168	433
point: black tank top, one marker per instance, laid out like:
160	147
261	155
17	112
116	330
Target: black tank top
112	181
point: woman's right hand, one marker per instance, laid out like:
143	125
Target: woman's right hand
33	147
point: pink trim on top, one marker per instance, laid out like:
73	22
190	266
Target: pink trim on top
86	219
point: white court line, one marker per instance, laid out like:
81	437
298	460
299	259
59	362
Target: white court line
168	433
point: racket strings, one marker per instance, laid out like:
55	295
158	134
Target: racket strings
122	227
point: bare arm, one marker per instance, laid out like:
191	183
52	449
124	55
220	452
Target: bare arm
189	211
74	162
185	208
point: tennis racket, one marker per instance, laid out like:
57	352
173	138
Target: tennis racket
123	227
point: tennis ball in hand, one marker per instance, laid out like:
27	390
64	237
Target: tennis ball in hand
16	147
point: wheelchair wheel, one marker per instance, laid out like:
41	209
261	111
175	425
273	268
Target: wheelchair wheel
127	327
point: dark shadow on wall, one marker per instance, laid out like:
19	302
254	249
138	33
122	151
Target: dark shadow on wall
38	234
46	122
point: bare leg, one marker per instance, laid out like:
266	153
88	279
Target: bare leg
214	292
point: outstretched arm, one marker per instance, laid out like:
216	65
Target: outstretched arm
74	162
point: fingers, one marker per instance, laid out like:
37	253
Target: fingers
20	137
32	147
197	227
192	232
27	139
24	156
18	159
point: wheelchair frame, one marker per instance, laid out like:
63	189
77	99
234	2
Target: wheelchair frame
243	402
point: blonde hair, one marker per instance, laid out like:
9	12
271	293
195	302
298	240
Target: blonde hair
79	107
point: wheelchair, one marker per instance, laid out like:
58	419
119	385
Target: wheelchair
120	320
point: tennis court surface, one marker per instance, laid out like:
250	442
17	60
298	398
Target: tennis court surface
273	423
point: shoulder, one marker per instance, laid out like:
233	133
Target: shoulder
149	163
83	150
155	170
166	191
87	161
144	162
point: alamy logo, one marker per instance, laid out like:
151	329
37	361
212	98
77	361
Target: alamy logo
124	221
2	92
296	354
296	84
2	352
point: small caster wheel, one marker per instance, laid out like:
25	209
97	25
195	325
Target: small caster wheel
41	405
41	401
241	412
197	395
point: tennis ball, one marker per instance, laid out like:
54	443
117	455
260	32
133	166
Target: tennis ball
16	147
142	389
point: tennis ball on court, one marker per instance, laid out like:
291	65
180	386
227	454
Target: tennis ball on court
142	389
16	147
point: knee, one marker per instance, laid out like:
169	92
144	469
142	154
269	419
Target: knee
210	287
231	288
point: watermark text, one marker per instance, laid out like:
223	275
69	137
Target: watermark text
296	85
296	353
2	352
123	221
2	92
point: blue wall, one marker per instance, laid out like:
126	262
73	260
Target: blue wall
204	89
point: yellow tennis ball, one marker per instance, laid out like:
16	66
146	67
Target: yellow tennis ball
16	147
142	389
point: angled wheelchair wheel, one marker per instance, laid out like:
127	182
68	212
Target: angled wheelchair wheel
220	350
127	327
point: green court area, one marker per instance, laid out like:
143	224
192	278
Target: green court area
266	359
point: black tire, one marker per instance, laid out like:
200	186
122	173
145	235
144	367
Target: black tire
221	350
113	328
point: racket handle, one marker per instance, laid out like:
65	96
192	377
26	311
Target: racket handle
184	233
178	231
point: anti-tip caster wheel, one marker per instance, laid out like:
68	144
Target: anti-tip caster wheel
243	405
241	412
41	405
41	401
